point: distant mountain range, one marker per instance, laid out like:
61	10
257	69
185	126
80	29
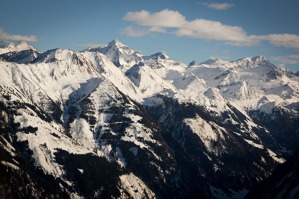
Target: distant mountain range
109	122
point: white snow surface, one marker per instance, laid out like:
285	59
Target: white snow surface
135	187
249	83
205	131
252	83
275	157
67	78
122	56
8	164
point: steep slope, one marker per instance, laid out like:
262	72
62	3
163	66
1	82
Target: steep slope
119	54
148	82
109	122
17	168
20	57
229	150
87	119
283	183
253	83
53	123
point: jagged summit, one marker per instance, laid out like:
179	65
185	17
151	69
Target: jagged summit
119	54
56	54
156	56
260	62
105	122
256	60
192	63
21	57
251	60
116	43
214	61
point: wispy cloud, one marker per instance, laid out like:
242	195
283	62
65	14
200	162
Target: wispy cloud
173	22
164	18
198	28
135	32
284	40
139	32
214	30
287	59
219	6
6	36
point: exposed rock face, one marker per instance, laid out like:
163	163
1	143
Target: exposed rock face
109	122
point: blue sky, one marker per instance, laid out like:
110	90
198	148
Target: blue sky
185	29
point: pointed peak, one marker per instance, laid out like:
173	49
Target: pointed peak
158	55
257	59
214	61
115	42
103	48
56	54
260	58
192	63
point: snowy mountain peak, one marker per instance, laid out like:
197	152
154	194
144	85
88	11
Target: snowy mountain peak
192	63
6	47
257	60
213	93
148	123
213	61
157	56
116	42
119	54
54	55
247	62
21	57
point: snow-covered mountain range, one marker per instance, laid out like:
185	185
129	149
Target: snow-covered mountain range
110	122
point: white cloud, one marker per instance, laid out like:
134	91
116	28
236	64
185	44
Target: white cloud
250	42
173	22
287	59
157	29
198	28
219	6
284	40
134	32
214	30
6	36
164	18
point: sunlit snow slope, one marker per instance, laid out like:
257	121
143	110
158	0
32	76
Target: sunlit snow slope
110	122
